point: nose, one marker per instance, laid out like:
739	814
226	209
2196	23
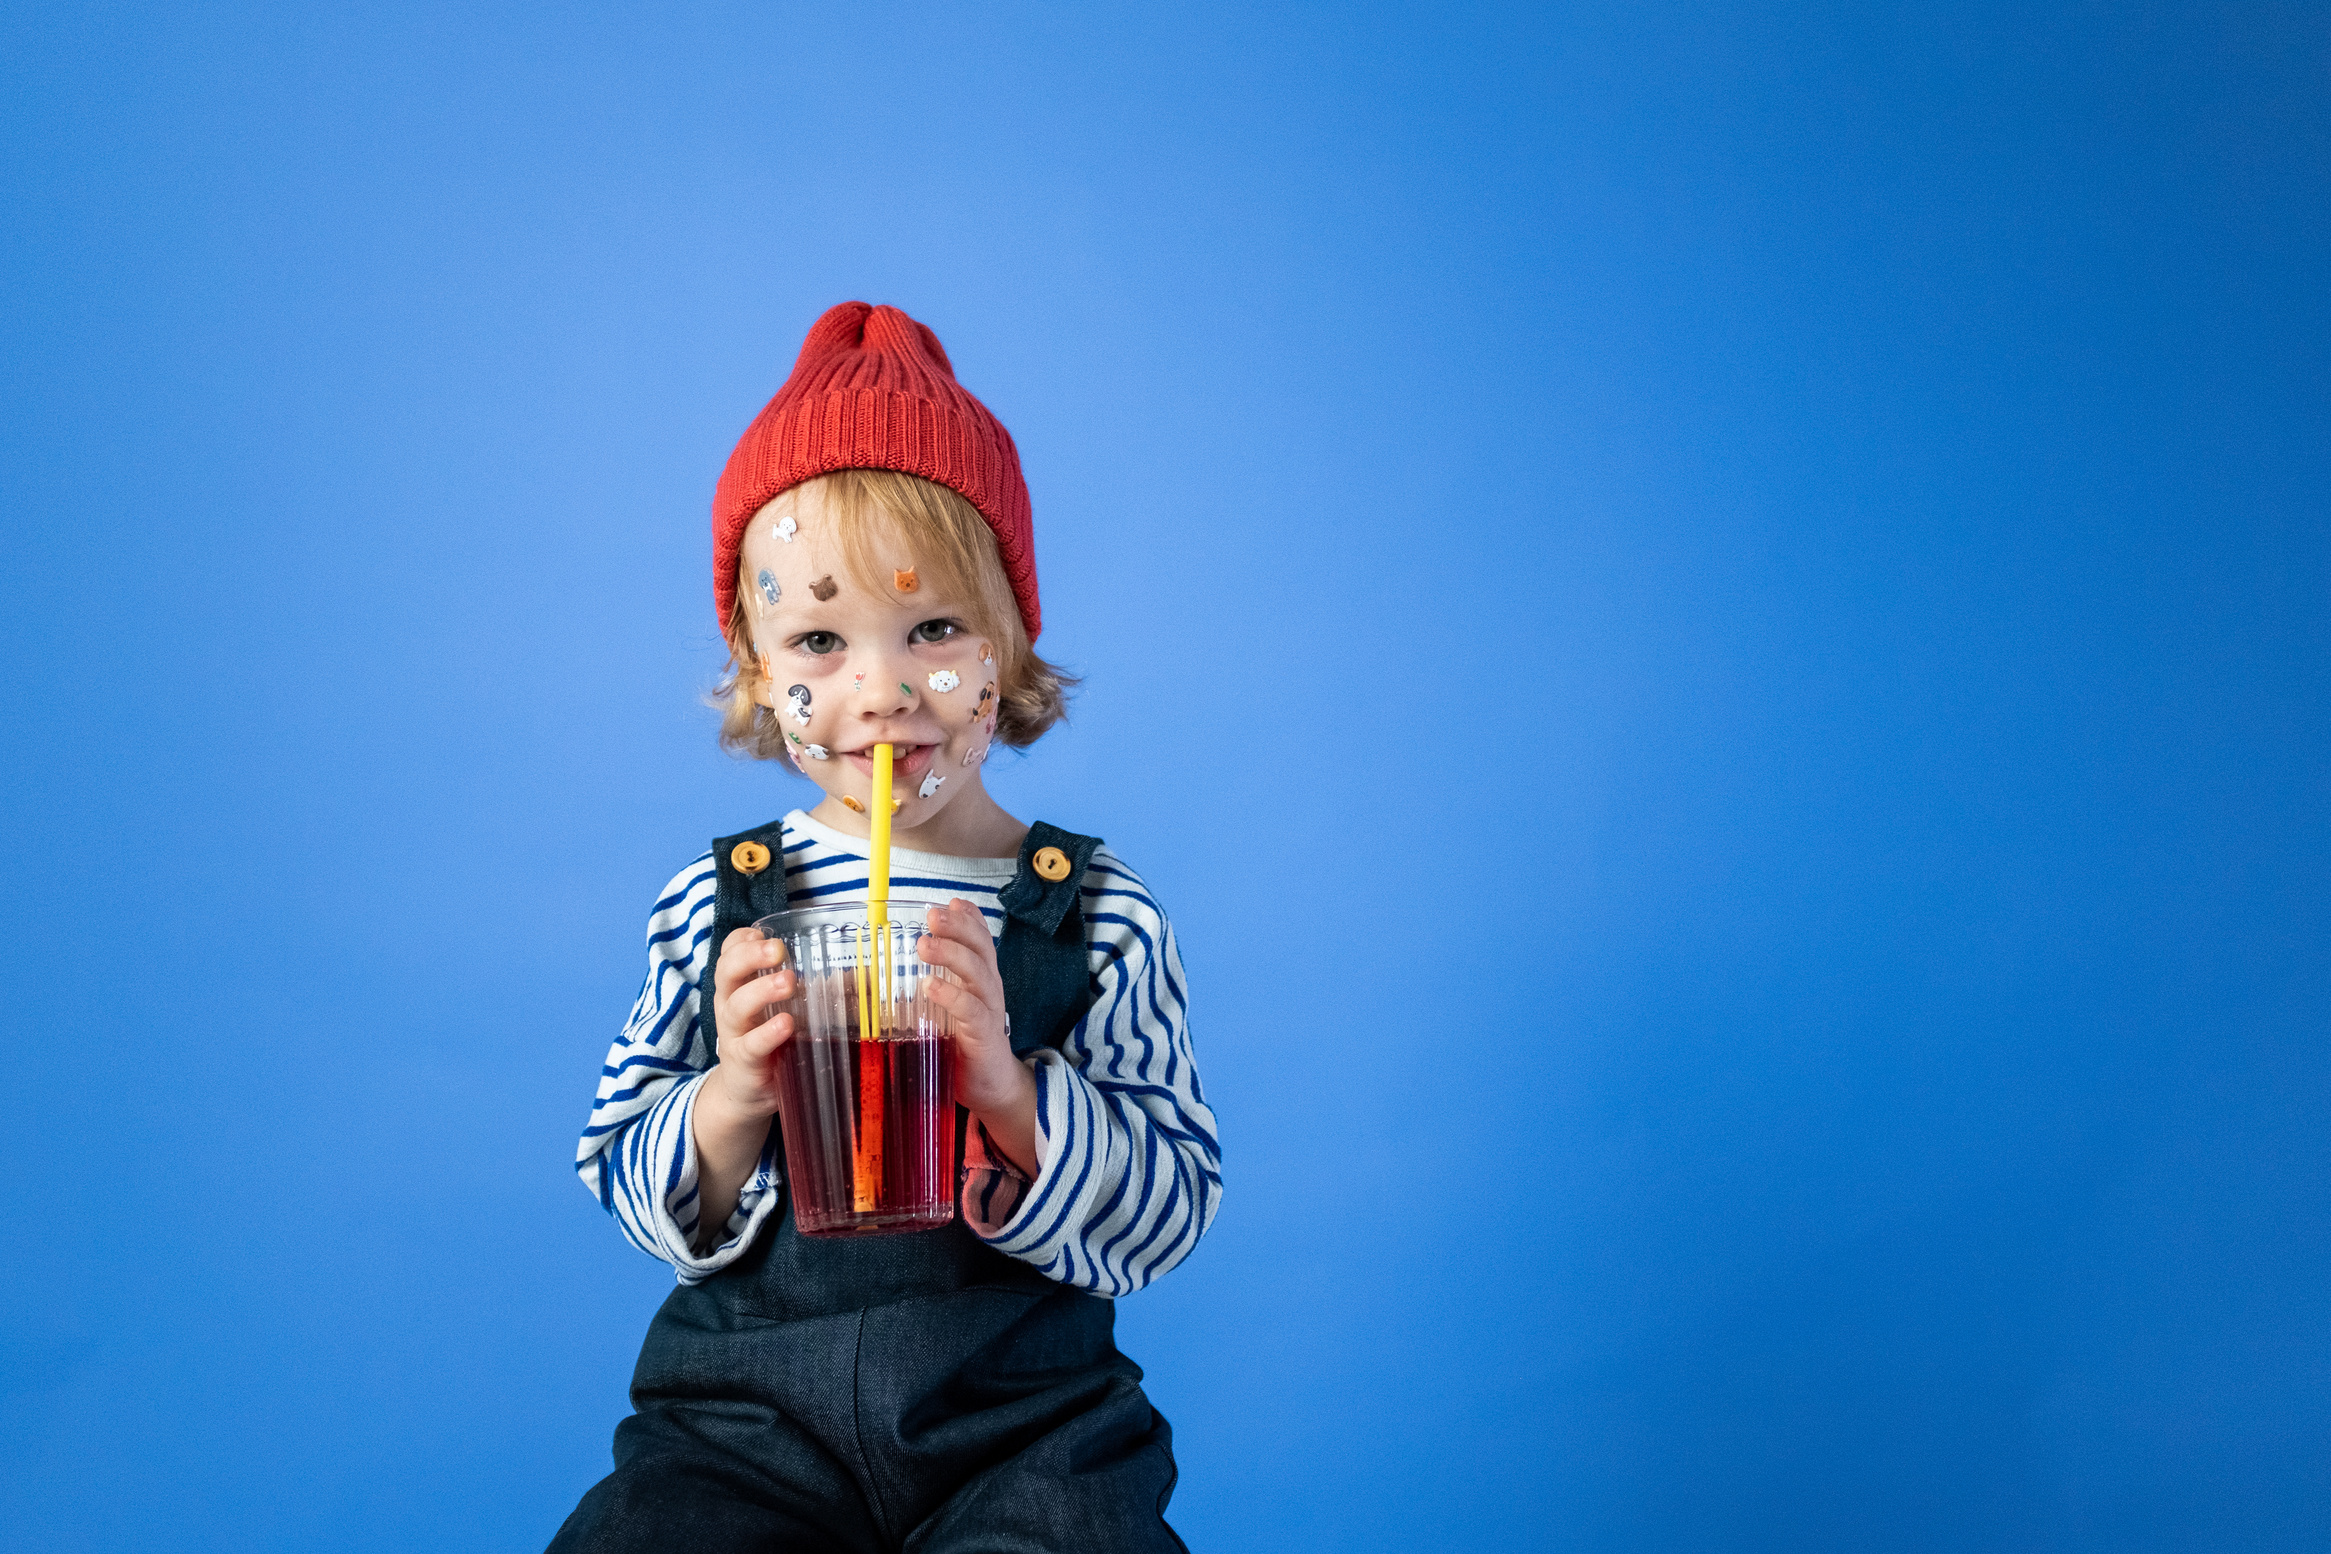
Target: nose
883	688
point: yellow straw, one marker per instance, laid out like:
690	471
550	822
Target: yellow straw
873	992
878	865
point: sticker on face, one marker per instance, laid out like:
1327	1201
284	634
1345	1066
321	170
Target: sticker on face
896	805
786	528
818	753
930	785
905	582
858	681
796	755
769	590
943	680
852	805
797	699
987	699
905	689
823	589
987	659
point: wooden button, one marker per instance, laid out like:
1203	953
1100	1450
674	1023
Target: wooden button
749	857
1051	862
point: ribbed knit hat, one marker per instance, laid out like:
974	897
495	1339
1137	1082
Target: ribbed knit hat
873	389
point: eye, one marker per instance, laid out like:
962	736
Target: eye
935	631
818	643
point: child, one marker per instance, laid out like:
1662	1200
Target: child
957	1388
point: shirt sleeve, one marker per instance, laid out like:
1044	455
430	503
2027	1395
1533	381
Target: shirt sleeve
638	1154
1129	1173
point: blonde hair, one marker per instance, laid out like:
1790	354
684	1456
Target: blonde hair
955	554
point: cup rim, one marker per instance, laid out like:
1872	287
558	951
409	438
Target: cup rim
854	912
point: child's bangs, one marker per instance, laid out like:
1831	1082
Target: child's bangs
886	523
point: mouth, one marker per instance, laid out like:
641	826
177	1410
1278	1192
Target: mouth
905	761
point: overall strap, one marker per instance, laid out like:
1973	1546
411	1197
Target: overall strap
1048	982
743	899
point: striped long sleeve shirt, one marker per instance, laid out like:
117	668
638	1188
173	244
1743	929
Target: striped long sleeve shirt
1128	1174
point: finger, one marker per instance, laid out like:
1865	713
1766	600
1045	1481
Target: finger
768	984
965	960
960	921
964	1006
961	926
752	1002
757	1044
965	969
742	959
755	1034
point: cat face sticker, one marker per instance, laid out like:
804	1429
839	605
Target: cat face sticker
944	680
824	588
905	582
797	702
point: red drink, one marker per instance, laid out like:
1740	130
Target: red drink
869	1127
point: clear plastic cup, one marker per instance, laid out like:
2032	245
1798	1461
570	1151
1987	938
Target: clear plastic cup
869	1125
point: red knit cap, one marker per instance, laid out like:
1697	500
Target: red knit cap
873	390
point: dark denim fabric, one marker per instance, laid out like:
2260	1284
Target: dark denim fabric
914	1392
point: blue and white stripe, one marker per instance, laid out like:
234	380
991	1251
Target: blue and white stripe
1129	1173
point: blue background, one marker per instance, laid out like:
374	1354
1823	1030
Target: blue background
1713	622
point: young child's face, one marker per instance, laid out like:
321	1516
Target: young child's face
848	667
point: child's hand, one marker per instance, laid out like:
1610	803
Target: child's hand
730	1119
747	1035
995	1086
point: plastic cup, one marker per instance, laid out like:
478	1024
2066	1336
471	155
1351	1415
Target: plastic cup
869	1124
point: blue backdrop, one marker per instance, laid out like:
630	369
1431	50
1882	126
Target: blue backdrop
1712	620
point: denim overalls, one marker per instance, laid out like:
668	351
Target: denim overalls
917	1392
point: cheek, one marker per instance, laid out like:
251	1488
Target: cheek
971	693
970	709
802	711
